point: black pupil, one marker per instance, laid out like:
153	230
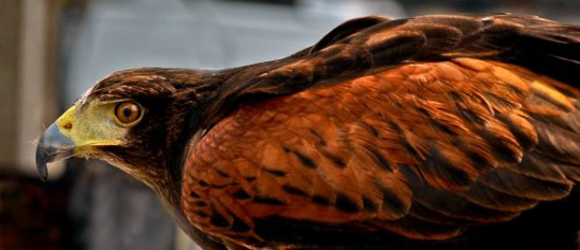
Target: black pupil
127	112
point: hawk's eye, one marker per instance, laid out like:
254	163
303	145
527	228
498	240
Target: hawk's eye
127	112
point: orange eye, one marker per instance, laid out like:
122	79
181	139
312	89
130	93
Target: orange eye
128	112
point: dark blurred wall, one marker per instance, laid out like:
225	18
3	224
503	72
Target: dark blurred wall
32	213
29	36
9	67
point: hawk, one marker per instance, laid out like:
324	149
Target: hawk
438	132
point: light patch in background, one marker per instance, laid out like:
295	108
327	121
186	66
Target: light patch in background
35	85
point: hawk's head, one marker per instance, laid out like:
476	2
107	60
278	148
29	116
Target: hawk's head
133	119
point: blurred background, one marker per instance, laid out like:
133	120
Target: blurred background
52	50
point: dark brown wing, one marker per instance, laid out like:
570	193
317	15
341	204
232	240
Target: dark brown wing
372	44
390	143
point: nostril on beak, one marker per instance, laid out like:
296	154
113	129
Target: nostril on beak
67	126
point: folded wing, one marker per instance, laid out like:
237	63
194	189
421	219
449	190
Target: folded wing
420	127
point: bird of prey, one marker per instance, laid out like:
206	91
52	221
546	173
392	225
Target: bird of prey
432	132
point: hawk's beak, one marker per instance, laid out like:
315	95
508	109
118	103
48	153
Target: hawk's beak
52	146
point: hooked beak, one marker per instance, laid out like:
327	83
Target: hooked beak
52	146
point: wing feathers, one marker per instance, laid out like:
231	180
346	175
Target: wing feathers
370	44
488	197
348	28
393	125
510	182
